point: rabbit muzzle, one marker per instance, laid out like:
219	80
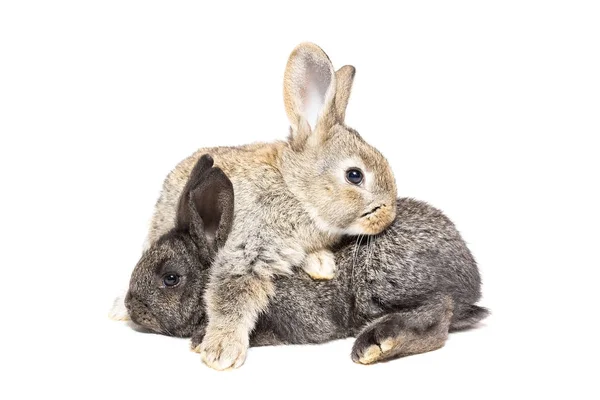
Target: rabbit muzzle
375	220
140	314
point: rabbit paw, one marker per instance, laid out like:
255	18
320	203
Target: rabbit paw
222	350
320	265
118	311
369	353
375	344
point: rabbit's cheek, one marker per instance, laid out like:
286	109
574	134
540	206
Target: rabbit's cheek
349	204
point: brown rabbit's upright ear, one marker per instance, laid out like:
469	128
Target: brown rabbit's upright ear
206	207
344	78
309	94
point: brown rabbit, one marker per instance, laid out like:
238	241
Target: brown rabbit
294	200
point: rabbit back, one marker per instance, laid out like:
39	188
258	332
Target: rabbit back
420	259
237	162
420	255
305	311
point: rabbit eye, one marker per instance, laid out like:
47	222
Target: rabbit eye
354	176
171	280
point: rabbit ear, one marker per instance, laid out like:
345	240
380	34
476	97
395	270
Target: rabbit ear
344	78
206	208
203	165
212	200
309	91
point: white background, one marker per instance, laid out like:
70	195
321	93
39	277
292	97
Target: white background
490	112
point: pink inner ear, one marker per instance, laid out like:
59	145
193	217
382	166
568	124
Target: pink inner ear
316	81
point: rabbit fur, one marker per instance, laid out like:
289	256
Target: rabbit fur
293	202
399	292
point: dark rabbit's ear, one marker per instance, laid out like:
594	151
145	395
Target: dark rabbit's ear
213	202
206	205
203	165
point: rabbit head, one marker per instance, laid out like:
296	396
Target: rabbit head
167	285
345	184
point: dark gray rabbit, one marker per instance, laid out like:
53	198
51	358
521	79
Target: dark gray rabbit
399	292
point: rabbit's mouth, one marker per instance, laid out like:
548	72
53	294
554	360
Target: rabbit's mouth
141	315
373	221
374	210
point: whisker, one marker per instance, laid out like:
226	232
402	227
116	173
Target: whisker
165	330
355	256
354	259
367	257
370	251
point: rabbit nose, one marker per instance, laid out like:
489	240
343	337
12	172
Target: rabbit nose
141	314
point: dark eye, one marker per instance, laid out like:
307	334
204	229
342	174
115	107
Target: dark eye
171	280
354	176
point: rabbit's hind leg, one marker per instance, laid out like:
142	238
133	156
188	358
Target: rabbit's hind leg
415	331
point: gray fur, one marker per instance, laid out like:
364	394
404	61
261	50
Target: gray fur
400	292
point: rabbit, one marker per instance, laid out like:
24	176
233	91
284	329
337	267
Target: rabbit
399	292
295	200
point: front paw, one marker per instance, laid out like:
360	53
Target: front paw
320	265
221	349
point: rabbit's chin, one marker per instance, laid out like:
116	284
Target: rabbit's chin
139	328
371	224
